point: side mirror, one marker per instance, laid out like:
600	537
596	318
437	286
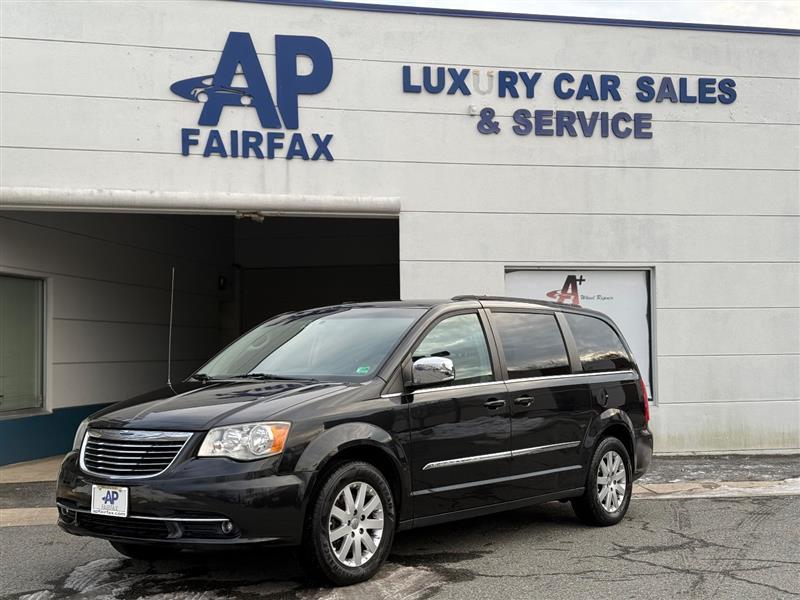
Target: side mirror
432	370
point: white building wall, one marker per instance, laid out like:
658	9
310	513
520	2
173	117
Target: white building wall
711	202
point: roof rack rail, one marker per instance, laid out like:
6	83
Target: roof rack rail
550	303
499	298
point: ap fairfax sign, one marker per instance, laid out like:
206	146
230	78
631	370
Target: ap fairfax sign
218	93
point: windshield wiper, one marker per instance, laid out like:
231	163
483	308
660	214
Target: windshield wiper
201	377
270	376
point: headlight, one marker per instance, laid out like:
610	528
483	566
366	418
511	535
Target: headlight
80	433
249	441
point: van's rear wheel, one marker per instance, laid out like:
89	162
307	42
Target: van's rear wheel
608	485
351	523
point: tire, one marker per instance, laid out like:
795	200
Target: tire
144	551
333	549
600	504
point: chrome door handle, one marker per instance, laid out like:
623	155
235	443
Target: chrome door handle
524	401
493	404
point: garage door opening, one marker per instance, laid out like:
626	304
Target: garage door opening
104	280
294	263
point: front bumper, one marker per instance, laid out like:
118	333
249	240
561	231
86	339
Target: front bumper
189	504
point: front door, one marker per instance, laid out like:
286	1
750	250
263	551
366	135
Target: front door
460	431
550	407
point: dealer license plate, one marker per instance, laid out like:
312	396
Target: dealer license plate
110	500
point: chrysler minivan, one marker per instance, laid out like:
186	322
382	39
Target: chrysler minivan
331	429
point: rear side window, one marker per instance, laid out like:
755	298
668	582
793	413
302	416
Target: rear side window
599	346
532	344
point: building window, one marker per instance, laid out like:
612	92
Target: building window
21	343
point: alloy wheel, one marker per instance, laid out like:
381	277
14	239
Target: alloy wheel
355	524
611	481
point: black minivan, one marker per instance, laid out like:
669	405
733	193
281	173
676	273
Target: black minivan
331	429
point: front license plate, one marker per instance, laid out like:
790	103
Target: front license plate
110	500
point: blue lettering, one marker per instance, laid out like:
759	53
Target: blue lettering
251	140
297	147
188	138
408	87
322	147
427	80
587	127
666	91
234	144
530	82
727	95
684	93
240	52
646	92
522	118
641	126
706	89
558	88
543	119
586	88
565	121
618	130
214	145
459	81
507	82
273	143
290	84
609	86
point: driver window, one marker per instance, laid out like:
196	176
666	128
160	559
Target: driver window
461	339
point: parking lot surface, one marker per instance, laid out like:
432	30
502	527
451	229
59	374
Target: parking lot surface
744	547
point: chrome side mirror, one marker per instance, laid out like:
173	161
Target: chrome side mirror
432	370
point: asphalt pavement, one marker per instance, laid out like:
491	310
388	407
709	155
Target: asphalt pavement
741	546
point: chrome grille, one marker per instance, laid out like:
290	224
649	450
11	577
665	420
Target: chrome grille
129	453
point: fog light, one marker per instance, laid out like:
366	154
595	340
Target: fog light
227	527
68	515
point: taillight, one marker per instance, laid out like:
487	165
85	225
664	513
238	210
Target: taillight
645	400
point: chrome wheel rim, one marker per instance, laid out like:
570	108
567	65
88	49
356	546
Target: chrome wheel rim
611	481
355	525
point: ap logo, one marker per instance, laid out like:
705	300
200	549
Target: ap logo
239	63
239	57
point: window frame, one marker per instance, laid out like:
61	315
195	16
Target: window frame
45	354
569	342
488	336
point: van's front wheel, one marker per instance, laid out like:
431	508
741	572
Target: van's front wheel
609	484
351	525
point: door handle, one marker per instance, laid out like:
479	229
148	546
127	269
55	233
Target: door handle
494	404
524	401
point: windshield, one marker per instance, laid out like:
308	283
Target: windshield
342	342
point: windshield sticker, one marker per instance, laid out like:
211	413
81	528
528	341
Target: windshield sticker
362	370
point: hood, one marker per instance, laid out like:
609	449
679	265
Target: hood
193	406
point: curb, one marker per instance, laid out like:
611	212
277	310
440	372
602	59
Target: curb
717	489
